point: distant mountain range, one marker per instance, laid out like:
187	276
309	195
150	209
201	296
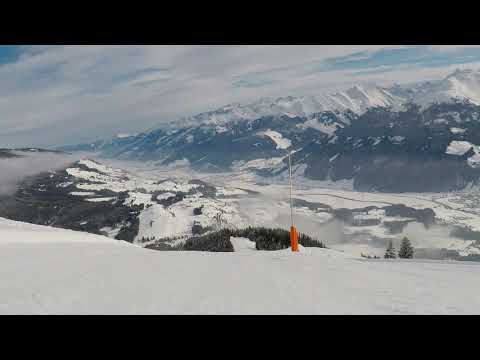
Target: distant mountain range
18	152
420	137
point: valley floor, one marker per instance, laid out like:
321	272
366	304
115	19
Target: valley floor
54	271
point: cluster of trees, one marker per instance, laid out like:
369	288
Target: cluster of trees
162	244
264	238
406	250
218	241
145	239
274	239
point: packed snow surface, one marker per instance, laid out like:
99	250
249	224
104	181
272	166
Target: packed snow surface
54	271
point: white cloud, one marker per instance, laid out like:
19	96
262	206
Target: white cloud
56	95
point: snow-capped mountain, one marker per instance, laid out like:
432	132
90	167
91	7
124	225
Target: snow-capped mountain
356	99
368	134
460	85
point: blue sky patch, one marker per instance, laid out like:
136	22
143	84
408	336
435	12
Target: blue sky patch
252	82
8	54
421	56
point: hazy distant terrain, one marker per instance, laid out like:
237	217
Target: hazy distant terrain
164	206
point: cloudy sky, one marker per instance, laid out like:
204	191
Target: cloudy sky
52	95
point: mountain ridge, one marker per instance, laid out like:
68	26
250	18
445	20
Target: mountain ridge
332	144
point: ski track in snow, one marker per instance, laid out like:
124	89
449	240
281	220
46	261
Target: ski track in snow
69	276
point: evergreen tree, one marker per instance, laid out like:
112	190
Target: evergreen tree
406	249
390	252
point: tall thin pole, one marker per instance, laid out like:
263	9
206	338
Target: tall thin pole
293	231
291	187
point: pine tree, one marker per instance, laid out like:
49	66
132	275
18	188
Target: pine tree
406	249
390	252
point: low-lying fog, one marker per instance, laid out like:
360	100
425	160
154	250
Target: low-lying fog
13	170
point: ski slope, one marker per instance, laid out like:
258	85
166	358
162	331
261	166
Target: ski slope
55	271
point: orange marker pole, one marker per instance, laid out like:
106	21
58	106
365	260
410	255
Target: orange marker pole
293	239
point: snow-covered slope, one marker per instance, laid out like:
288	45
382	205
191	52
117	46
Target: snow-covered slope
51	271
17	233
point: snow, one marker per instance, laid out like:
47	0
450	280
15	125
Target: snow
337	201
280	141
464	84
270	206
270	163
138	198
101	199
461	147
377	141
65	184
16	232
230	192
328	129
95	166
220	129
165	196
82	193
474	160
240	208
160	222
456	130
242	244
333	140
111	232
397	139
357	99
458	147
461	85
56	271
333	157
124	135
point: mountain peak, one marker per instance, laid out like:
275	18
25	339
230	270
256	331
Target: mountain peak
463	73
357	99
462	84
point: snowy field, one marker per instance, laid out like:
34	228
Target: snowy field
54	271
269	206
